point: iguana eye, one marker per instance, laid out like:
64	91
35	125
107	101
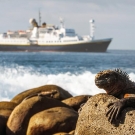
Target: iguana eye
106	76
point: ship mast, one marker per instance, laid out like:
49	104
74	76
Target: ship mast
62	22
92	29
39	18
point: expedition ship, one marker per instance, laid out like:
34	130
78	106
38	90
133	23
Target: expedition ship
51	38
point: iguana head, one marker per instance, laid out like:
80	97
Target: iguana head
112	81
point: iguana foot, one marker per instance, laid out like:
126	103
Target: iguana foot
115	109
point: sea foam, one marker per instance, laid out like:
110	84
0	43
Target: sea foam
14	81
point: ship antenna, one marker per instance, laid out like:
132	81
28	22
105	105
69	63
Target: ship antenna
62	22
39	18
92	29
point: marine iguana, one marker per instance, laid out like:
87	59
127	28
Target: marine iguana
117	83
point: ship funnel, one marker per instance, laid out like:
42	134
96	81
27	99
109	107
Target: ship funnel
33	22
92	29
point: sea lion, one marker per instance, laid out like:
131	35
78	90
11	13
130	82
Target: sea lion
77	101
19	119
5	110
61	94
53	120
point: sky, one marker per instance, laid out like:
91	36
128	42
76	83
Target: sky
113	18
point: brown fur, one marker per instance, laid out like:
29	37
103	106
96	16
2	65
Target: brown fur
18	121
53	120
60	95
5	111
76	102
7	105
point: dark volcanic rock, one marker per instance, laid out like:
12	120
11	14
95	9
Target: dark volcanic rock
18	121
93	121
60	94
54	120
76	102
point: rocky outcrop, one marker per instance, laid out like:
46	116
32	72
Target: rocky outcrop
77	101
60	93
19	119
54	120
93	121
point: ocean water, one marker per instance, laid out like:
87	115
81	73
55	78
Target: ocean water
75	72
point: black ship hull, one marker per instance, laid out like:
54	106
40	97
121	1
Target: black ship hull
92	46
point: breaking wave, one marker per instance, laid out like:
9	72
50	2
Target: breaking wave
16	80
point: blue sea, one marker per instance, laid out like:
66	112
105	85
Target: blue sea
75	72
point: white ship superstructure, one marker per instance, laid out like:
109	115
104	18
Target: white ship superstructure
51	38
42	35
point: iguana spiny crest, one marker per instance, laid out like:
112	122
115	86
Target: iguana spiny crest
114	82
117	83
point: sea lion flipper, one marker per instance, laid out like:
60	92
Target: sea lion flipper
42	94
32	95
